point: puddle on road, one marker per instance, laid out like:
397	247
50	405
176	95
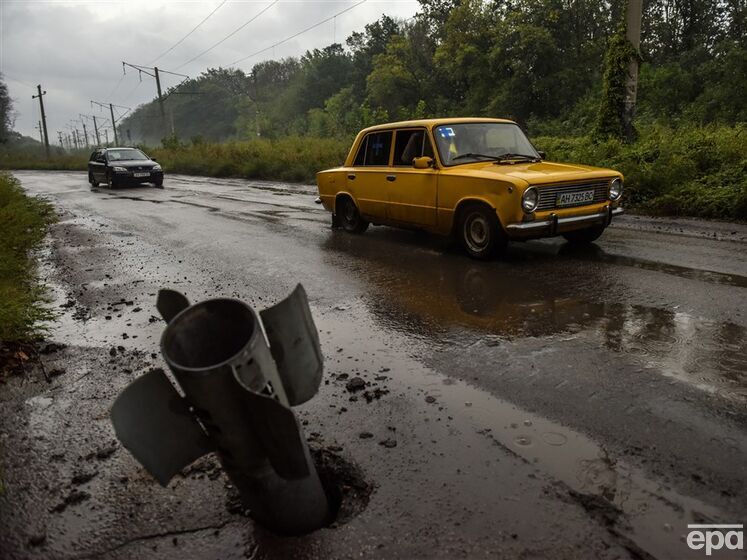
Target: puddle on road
460	302
655	516
594	253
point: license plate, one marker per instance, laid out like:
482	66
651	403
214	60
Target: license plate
141	174
573	198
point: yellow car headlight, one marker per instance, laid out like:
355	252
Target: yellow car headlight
530	200
616	189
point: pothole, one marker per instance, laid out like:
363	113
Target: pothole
347	490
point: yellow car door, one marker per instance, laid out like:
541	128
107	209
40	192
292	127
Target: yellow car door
411	193
366	180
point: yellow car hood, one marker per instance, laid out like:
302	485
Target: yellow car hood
533	173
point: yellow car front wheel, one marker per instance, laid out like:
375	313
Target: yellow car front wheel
480	232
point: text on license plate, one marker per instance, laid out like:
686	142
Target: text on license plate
569	199
141	174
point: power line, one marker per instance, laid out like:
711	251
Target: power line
129	94
119	83
4	75
179	42
242	26
330	18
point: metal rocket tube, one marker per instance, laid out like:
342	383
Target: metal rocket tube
220	357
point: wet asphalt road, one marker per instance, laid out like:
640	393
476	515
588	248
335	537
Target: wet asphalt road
556	403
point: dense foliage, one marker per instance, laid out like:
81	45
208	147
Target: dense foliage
537	61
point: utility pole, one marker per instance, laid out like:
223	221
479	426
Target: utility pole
85	133
111	112
41	135
96	129
633	17
114	124
106	133
155	72
43	116
160	95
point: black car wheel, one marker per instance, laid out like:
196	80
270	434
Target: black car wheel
110	182
159	183
92	180
584	236
480	232
349	217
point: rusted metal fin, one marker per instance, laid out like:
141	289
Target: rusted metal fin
279	434
154	422
170	303
294	343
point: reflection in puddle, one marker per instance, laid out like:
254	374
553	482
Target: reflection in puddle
461	302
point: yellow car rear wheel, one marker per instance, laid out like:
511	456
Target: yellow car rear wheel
349	217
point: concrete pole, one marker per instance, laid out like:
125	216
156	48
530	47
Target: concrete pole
114	125
96	129
43	116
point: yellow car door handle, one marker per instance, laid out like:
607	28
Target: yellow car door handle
351	176
391	178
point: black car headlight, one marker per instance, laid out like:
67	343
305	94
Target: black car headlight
119	169
616	189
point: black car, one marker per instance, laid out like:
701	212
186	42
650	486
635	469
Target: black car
123	166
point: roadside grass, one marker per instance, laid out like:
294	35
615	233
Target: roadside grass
690	170
23	223
34	158
294	159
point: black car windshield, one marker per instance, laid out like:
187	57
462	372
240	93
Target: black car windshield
486	141
125	154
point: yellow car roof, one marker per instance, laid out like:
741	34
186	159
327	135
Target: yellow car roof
429	123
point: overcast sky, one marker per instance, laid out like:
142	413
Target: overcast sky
75	49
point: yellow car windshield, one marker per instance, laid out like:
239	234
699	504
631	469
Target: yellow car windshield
471	142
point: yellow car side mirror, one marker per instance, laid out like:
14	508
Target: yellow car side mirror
422	162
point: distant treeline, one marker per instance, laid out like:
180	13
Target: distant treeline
537	61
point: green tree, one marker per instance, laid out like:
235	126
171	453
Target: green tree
6	112
612	108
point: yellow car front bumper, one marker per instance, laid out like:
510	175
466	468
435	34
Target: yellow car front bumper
556	224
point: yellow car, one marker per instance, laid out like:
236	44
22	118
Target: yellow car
481	180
